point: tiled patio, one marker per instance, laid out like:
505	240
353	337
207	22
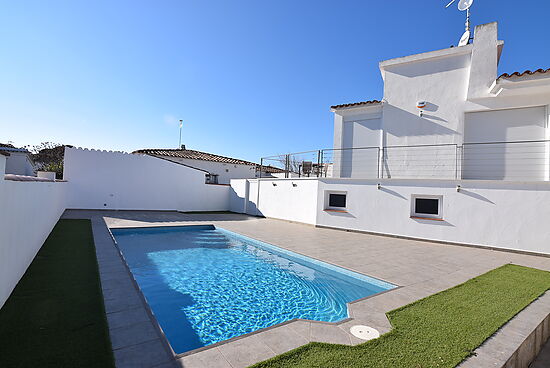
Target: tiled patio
420	268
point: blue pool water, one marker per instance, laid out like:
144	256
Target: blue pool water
206	284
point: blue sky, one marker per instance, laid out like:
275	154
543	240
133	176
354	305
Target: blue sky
249	78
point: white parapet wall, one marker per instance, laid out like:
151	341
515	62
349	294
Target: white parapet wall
122	181
500	214
28	212
510	215
286	199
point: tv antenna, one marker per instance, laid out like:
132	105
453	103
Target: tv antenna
464	5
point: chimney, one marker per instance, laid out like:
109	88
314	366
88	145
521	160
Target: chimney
483	67
182	146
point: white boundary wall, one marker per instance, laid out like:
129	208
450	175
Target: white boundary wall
29	211
510	215
117	180
289	199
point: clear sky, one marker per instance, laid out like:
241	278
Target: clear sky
249	78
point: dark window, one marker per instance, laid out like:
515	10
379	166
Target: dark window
211	179
427	206
337	200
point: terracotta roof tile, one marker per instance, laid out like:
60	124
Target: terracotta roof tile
526	72
269	169
353	104
193	155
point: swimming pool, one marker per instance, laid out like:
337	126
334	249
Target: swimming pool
206	284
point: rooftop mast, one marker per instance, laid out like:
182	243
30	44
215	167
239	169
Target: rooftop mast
464	5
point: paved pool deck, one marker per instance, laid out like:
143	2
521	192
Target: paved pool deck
420	268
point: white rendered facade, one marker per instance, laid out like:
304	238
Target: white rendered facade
465	103
454	152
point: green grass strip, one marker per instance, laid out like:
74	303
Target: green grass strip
438	331
55	317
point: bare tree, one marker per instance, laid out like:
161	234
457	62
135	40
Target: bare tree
48	156
290	163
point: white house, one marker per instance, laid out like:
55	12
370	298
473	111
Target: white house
18	160
221	169
452	153
446	114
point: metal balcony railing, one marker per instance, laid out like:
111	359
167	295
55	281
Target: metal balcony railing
514	161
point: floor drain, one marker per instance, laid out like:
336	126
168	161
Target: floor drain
364	332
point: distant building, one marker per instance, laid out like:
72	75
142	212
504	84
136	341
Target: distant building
221	169
18	160
268	171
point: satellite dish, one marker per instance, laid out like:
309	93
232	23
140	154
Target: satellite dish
464	4
464	39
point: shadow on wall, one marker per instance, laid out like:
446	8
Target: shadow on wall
243	204
432	222
407	124
431	107
401	160
476	196
392	192
253	210
429	67
339	214
489	161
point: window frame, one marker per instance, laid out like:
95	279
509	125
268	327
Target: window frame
415	214
211	178
328	207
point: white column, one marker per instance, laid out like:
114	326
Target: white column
547	137
337	145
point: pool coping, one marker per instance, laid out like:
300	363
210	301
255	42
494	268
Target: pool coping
243	336
498	351
148	309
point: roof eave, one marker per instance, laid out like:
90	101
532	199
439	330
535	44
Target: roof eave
437	54
159	153
519	82
365	107
354	105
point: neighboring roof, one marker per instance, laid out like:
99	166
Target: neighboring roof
193	155
354	104
269	169
526	72
6	148
13	149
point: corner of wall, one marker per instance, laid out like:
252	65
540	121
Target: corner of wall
2	166
338	130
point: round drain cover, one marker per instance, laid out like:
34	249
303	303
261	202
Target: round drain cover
364	332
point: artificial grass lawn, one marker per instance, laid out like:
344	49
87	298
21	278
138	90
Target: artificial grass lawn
55	316
438	331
